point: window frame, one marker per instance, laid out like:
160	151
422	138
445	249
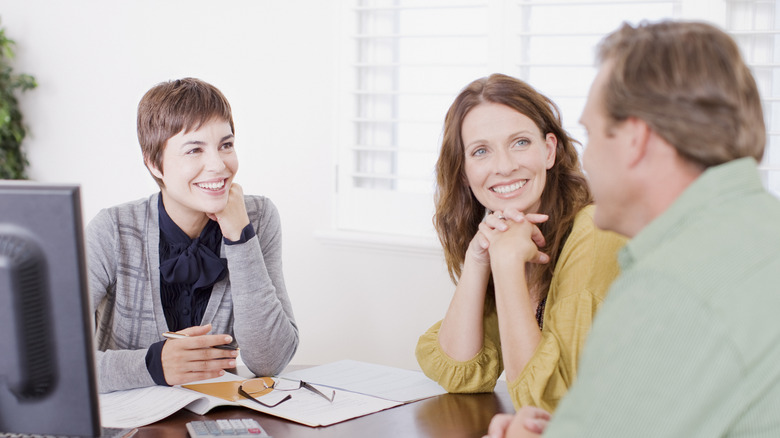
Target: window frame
389	218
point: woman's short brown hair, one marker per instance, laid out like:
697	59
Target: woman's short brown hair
689	83
174	106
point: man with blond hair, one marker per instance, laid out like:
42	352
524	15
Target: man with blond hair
687	342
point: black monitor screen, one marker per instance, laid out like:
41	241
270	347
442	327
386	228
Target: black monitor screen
47	377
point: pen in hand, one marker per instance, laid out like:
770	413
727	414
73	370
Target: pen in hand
174	335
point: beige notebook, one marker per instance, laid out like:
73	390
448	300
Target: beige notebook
224	390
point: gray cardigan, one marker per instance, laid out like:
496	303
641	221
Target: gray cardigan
250	303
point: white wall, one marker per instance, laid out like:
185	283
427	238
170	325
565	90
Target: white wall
277	63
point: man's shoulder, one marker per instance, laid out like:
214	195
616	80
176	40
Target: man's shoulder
723	263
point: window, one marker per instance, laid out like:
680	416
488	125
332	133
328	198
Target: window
408	59
755	26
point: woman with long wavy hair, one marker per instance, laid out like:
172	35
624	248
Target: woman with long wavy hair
514	215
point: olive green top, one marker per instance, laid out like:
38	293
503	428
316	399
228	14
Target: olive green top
584	271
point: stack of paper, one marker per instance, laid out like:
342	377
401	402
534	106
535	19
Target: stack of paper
360	389
371	379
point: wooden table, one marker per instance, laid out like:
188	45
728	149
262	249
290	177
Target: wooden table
448	415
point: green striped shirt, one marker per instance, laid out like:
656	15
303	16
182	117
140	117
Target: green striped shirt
687	342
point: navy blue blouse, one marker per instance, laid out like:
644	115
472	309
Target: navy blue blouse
189	268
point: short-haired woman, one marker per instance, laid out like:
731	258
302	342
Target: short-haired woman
199	258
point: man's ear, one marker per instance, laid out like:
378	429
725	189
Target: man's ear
640	133
153	169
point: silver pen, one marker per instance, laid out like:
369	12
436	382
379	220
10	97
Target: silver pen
175	335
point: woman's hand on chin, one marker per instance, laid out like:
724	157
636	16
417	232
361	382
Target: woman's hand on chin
234	217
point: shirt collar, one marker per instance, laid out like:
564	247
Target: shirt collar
172	234
710	189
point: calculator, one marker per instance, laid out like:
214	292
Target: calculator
234	428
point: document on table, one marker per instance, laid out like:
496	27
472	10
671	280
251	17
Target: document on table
308	408
303	407
381	381
142	406
360	389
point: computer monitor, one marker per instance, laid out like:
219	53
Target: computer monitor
47	373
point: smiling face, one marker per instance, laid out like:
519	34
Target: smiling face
198	168
506	157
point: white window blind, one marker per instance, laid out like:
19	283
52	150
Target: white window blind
408	59
755	24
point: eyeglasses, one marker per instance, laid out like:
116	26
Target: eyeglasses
261	386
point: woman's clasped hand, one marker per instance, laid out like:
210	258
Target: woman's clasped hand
510	234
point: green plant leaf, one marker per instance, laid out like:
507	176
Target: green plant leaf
13	161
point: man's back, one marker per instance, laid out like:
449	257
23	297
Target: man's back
688	341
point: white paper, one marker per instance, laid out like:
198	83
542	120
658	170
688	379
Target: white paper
139	407
371	379
361	389
142	406
308	408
